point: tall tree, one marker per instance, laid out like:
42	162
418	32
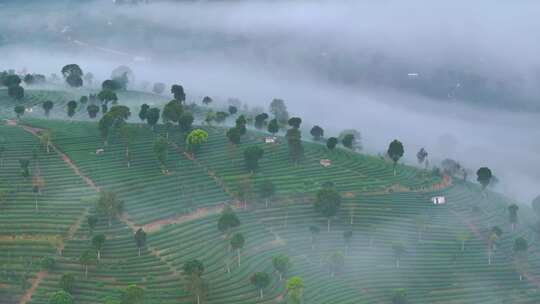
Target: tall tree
228	220
520	250
178	93
327	202
282	264
260	120
186	121
152	117
207	100
421	156
109	205
47	107
241	124
295	290
317	132
233	134
295	122
133	294
92	221
279	110
128	134
86	259
294	144
483	176
395	152
105	97
161	151
67	282
335	263
92	110
196	139
71	108
73	75
260	280
399	250
267	191
513	215
348	141
237	242
273	126
19	111
98	241
193	269
140	239
143	111
233	110
252	155
172	112
331	143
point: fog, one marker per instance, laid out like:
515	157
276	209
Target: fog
321	57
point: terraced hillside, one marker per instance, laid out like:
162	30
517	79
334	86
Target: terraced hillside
397	239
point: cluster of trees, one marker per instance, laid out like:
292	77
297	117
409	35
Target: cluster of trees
13	83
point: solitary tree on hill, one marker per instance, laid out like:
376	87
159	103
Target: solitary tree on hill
98	241
421	156
71	108
207	100
152	117
140	239
279	110
295	290
105	97
273	126
110	205
395	152
513	215
295	122
143	111
294	144
178	93
47	107
327	202
73	75
520	250
241	124
233	110
228	220
233	134
252	155
331	143
193	269
196	139
483	176
19	111
86	259
172	112
317	132
348	141
282	264
260	280
260	120
237	242
92	110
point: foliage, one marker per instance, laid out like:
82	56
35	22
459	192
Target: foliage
207	100
196	138
161	150
48	262
237	240
421	155
71	107
282	264
92	110
152	117
133	294
294	141
317	132
327	202
260	120
295	122
331	143
185	121
193	267
233	110
233	134
47	107
228	220
279	110
109	204
19	110
143	111
252	155
67	282
273	126
61	297
178	92
261	280
295	289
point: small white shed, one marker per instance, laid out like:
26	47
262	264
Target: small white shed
438	200
270	139
325	162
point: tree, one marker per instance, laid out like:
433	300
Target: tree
161	152
348	141
295	290
267	191
273	126
128	134
86	259
513	215
172	112
16	92
327	202
143	111
24	163
331	143
195	139
92	221
48	263
109	205
140	239
92	110
111	85
152	117
483	176
123	75
228	220
29	79
281	263
294	143
233	110
317	132
494	235
158	88
335	263
279	110
98	241
252	155
106	96
261	280
67	282
133	295
315	230
395	152
399	296
463	237
260	120
241	124
45	138
221	116
47	107
399	250
295	122
233	134
207	100
73	75
61	297
237	242
178	93
194	269
11	80
421	156
19	110
186	121
520	250
71	107
104	126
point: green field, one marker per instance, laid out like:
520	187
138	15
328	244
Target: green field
180	212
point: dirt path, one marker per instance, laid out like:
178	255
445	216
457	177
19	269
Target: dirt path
35	284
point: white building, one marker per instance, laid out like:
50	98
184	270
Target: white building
438	200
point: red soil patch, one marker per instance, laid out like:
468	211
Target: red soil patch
28	295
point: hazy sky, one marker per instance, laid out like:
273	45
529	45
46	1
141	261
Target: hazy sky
258	50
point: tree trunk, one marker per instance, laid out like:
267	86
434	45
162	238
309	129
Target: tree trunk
86	271
521	277
328	223
99	255
198	299
110	222
35	197
394	168
261	293
139	251
352	219
280	276
489	258
238	254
